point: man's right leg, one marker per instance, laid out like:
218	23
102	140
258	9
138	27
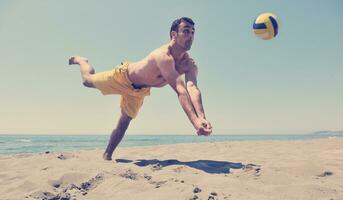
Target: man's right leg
117	135
85	68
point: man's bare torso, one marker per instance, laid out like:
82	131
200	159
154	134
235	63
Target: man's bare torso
146	73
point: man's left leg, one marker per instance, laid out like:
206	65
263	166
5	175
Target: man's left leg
87	71
117	135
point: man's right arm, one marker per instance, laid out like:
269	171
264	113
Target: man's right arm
166	65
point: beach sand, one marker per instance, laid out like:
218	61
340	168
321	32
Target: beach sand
309	169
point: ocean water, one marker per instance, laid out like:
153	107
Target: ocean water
17	144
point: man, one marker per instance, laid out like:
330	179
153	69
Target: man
164	65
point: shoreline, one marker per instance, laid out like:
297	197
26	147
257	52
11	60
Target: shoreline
19	144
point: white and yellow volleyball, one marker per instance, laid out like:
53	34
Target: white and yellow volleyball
266	26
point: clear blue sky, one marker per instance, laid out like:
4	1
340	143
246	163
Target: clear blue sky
291	84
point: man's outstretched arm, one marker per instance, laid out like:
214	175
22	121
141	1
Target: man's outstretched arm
167	67
194	91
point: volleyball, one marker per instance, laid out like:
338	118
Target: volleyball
266	26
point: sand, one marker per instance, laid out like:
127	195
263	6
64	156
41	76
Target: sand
310	169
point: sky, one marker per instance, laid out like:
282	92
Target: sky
291	84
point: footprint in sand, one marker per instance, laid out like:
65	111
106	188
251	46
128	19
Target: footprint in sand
65	156
196	190
92	183
147	177
326	173
129	175
213	196
55	183
61	157
41	195
195	197
68	178
156	166
156	183
252	167
65	185
49	195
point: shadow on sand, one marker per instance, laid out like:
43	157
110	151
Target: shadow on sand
208	166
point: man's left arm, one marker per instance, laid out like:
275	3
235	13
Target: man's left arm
193	90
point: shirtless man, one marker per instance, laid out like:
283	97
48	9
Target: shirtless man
164	65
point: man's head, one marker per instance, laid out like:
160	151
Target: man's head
182	32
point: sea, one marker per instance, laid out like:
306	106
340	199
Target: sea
19	144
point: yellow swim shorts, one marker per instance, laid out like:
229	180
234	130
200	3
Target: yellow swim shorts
116	81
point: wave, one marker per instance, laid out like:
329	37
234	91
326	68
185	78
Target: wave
23	140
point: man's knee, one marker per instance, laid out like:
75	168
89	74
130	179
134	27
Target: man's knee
124	121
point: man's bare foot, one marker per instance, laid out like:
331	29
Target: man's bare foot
105	156
76	60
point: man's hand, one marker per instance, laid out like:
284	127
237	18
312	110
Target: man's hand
207	124
203	127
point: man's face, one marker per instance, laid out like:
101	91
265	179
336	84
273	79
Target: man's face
185	35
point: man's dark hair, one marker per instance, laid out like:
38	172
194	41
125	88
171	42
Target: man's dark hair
177	22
